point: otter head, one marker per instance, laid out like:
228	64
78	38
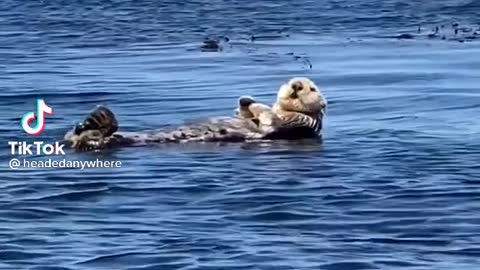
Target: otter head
301	95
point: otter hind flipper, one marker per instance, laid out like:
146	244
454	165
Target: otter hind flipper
95	131
101	119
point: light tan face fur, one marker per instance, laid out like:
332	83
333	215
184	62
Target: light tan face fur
300	95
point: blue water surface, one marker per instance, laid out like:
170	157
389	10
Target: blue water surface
394	185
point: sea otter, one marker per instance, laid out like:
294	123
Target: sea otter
297	113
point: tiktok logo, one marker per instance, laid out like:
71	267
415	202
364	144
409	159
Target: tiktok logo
29	117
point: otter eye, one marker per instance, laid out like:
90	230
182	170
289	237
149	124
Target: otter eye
313	89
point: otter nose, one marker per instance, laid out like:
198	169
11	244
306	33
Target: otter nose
323	107
297	86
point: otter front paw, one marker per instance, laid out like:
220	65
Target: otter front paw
88	140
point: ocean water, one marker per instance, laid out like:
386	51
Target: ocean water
395	184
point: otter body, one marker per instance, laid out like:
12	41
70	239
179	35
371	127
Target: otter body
296	114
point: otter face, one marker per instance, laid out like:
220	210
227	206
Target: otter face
301	95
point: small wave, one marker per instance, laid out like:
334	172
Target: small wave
349	265
72	196
11	255
275	216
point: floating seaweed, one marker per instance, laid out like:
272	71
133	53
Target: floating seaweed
214	44
452	32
